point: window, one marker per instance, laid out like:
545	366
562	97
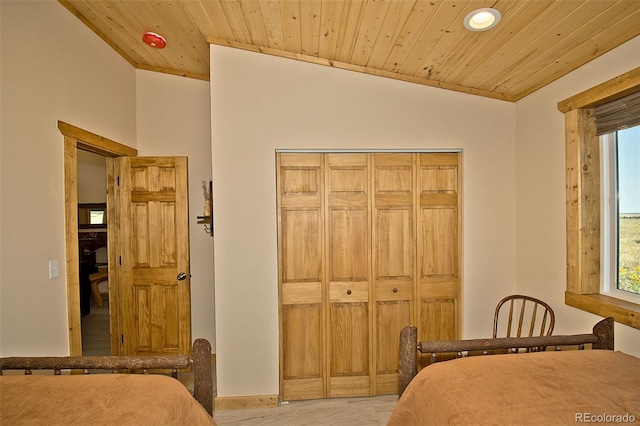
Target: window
96	217
584	193
620	225
92	215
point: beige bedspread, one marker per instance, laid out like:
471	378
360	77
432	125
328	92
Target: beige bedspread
546	388
98	399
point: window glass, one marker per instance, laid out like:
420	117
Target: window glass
628	209
96	217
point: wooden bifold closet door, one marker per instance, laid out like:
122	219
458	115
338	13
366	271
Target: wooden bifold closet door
361	238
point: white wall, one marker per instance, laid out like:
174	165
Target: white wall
174	119
73	76
261	103
540	189
53	68
92	177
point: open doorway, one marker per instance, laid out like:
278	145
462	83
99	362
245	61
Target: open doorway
93	253
148	247
76	140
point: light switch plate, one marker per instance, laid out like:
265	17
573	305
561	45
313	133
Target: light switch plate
54	272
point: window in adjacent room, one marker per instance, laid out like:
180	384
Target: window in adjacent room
96	217
620	173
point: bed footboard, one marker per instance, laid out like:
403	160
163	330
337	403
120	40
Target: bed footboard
600	338
199	360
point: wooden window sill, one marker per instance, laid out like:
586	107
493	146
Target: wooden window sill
624	312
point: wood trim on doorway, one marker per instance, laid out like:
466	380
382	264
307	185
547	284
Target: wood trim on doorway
76	138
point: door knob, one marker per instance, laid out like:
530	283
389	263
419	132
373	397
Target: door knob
182	276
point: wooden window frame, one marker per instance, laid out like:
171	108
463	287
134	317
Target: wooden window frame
583	201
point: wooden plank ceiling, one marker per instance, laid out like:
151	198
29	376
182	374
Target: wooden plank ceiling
421	41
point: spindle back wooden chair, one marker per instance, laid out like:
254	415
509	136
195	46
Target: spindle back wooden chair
526	317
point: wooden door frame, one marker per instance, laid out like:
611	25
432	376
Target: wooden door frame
76	138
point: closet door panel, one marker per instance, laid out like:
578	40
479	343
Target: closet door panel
391	317
439	237
349	340
301	269
437	318
394	242
302	256
302	329
348	263
394	199
439	247
347	243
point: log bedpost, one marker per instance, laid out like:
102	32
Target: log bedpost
203	382
407	368
604	332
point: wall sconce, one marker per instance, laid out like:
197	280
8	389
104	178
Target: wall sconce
207	217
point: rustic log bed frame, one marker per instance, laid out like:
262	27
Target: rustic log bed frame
200	360
600	338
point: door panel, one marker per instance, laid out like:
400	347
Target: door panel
301	263
349	259
348	250
393	260
440	248
391	317
438	318
394	242
350	340
303	256
155	306
439	237
302	331
349	359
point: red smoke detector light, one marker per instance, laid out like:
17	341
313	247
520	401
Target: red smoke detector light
154	40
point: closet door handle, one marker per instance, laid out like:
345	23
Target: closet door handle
182	276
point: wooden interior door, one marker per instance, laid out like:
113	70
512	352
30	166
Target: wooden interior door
394	251
348	253
367	244
301	276
153	270
439	247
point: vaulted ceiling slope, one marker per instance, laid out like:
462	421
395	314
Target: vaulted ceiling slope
421	41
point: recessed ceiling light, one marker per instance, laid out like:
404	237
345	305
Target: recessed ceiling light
482	19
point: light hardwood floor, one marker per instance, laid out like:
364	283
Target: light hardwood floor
95	326
373	411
